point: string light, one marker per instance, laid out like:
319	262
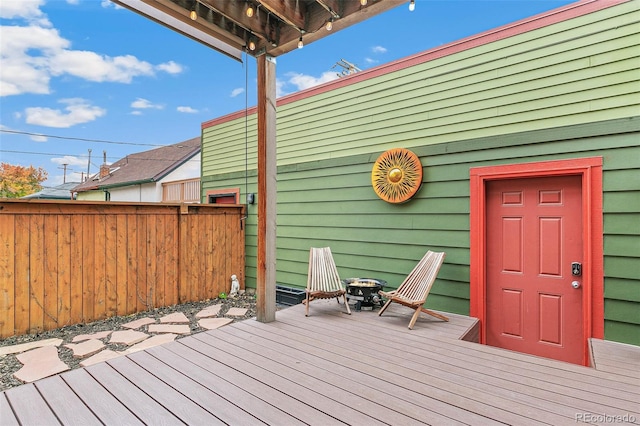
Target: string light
300	43
193	15
363	2
412	5
252	45
329	25
250	10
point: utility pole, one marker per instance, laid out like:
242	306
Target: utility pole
89	164
64	167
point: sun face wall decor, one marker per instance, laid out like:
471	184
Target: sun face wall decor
396	175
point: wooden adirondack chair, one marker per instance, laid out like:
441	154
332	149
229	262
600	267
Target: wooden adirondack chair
415	288
323	281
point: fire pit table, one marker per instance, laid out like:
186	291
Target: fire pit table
364	291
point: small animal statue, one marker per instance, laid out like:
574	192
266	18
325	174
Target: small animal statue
235	286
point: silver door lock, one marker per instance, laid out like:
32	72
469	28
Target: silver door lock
575	284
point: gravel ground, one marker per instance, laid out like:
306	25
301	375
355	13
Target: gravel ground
9	364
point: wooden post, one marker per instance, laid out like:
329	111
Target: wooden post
266	274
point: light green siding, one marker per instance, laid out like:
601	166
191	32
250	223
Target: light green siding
569	90
97	195
577	71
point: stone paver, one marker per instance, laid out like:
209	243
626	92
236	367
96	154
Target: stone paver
99	335
22	347
85	349
152	341
237	312
212	323
176	317
41	358
138	323
170	328
39	363
128	337
211	311
105	355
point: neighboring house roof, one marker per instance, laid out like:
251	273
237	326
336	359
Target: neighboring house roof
60	192
143	167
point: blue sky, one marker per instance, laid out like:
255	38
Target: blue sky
85	74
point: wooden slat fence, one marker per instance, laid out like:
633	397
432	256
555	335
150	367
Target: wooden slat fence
70	262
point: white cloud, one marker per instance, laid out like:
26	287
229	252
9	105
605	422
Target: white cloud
170	67
108	3
280	88
141	103
93	67
236	92
187	110
77	111
32	54
28	10
379	49
22	73
302	81
70	160
38	138
371	61
73	1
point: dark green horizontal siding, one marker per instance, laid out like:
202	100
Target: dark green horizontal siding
331	203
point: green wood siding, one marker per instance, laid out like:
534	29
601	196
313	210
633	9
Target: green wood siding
569	90
577	71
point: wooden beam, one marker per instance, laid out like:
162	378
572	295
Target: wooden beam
266	274
169	15
290	12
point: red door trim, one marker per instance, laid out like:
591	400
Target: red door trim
590	169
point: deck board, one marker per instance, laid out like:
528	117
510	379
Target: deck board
616	358
180	405
519	365
236	404
463	369
66	405
143	406
328	369
31	408
7	417
102	403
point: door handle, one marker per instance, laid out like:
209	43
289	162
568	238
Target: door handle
575	284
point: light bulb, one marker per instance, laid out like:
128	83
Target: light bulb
412	5
250	11
193	15
329	25
252	45
300	43
363	2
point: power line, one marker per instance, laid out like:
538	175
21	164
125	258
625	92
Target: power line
130	157
17	132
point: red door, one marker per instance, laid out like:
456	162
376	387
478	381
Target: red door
534	234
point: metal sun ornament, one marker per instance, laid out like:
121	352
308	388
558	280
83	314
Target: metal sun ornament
396	175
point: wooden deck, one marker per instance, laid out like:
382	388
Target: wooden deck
329	368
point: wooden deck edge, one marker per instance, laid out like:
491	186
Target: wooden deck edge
473	332
614	357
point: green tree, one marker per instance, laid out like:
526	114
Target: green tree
18	181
